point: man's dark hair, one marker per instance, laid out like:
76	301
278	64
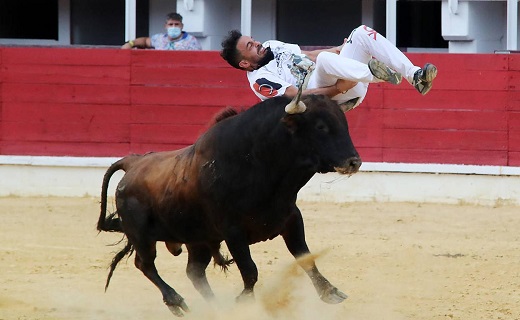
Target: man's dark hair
173	16
229	50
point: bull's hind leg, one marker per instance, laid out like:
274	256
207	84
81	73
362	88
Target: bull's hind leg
199	257
136	223
144	261
294	237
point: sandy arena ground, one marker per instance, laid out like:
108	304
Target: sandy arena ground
395	261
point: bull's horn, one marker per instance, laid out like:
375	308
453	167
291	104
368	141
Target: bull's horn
297	106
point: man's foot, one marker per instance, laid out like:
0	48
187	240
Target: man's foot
423	78
383	72
349	105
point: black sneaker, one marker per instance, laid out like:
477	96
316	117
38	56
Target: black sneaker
423	78
383	72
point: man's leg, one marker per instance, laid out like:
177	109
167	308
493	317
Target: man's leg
364	43
330	67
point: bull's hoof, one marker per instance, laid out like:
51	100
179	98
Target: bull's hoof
333	296
246	296
177	305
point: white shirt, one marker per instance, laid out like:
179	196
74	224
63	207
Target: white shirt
275	77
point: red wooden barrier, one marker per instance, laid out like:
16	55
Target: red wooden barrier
109	102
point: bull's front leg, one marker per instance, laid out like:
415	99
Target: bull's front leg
238	247
294	237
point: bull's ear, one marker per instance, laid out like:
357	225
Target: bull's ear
291	122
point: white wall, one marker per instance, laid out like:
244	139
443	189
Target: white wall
210	20
475	26
380	182
158	11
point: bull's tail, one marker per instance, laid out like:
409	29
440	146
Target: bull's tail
127	250
112	222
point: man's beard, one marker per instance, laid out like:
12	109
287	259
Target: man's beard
269	55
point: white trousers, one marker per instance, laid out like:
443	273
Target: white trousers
352	63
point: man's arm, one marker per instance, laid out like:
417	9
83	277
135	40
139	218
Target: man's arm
341	86
329	91
314	53
143	42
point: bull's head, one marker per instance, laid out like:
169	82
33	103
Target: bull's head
321	132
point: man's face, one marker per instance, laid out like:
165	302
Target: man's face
173	23
174	29
252	52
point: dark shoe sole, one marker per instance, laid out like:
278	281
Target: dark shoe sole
429	73
383	72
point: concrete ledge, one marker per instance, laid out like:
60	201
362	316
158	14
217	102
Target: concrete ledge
381	182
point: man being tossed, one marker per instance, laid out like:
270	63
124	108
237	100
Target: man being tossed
343	73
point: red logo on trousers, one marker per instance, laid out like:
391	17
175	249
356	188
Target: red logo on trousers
371	32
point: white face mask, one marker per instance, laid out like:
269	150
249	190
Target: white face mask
174	32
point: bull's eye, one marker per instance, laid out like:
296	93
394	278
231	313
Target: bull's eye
322	126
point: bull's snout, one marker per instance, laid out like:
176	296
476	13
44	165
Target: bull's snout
350	166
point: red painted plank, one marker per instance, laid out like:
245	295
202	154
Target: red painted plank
514	139
158	114
365	127
514	159
446	119
461	61
66	56
461	79
166	133
514	120
70	132
370	154
366	137
191	96
188	76
446	156
445	139
178	58
66	113
141	148
447	100
365	117
2	69
67	74
514	62
374	97
514	81
1	100
514	101
74	149
93	94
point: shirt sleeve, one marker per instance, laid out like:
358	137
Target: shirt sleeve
266	85
154	39
194	43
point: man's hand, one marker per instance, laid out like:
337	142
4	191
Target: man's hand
337	49
303	62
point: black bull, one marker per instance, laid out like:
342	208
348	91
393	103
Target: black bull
238	183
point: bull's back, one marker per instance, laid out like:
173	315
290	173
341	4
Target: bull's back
155	177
